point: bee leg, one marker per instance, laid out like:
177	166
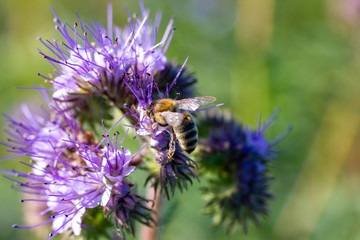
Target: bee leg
154	125
171	147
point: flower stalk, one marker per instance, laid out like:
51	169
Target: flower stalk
152	232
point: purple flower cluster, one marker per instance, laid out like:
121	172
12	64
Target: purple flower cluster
93	60
127	68
74	173
97	69
70	170
235	161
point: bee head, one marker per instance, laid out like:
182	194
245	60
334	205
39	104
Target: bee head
150	110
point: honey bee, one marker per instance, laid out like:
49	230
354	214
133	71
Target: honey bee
166	112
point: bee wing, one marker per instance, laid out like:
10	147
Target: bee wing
191	104
173	118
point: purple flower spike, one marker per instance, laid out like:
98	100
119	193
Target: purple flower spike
76	178
239	159
70	171
93	60
127	206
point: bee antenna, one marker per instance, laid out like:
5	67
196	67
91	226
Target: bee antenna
177	95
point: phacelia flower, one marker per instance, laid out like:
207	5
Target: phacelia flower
93	61
177	172
184	87
127	66
127	206
76	176
164	172
116	164
98	67
235	160
47	140
70	170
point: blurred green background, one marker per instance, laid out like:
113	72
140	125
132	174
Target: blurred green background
254	55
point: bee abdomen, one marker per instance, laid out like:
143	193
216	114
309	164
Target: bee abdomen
187	136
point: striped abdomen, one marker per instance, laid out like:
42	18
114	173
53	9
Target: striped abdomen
187	134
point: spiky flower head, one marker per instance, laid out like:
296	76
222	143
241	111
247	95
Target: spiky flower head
93	64
76	176
71	171
184	87
235	161
93	61
167	174
127	207
97	68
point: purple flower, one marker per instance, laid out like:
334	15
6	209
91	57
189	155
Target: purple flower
71	170
71	218
128	67
238	160
35	135
93	188
94	60
185	82
127	206
116	163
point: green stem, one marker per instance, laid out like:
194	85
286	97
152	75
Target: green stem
152	232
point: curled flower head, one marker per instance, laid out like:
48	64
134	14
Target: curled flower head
184	86
97	68
47	140
71	171
127	206
235	161
93	61
178	172
76	175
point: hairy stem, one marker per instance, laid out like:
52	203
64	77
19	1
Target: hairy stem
151	233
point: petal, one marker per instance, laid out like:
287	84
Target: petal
76	222
106	196
127	170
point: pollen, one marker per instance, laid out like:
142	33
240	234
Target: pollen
93	44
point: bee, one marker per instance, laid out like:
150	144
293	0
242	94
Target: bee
166	112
